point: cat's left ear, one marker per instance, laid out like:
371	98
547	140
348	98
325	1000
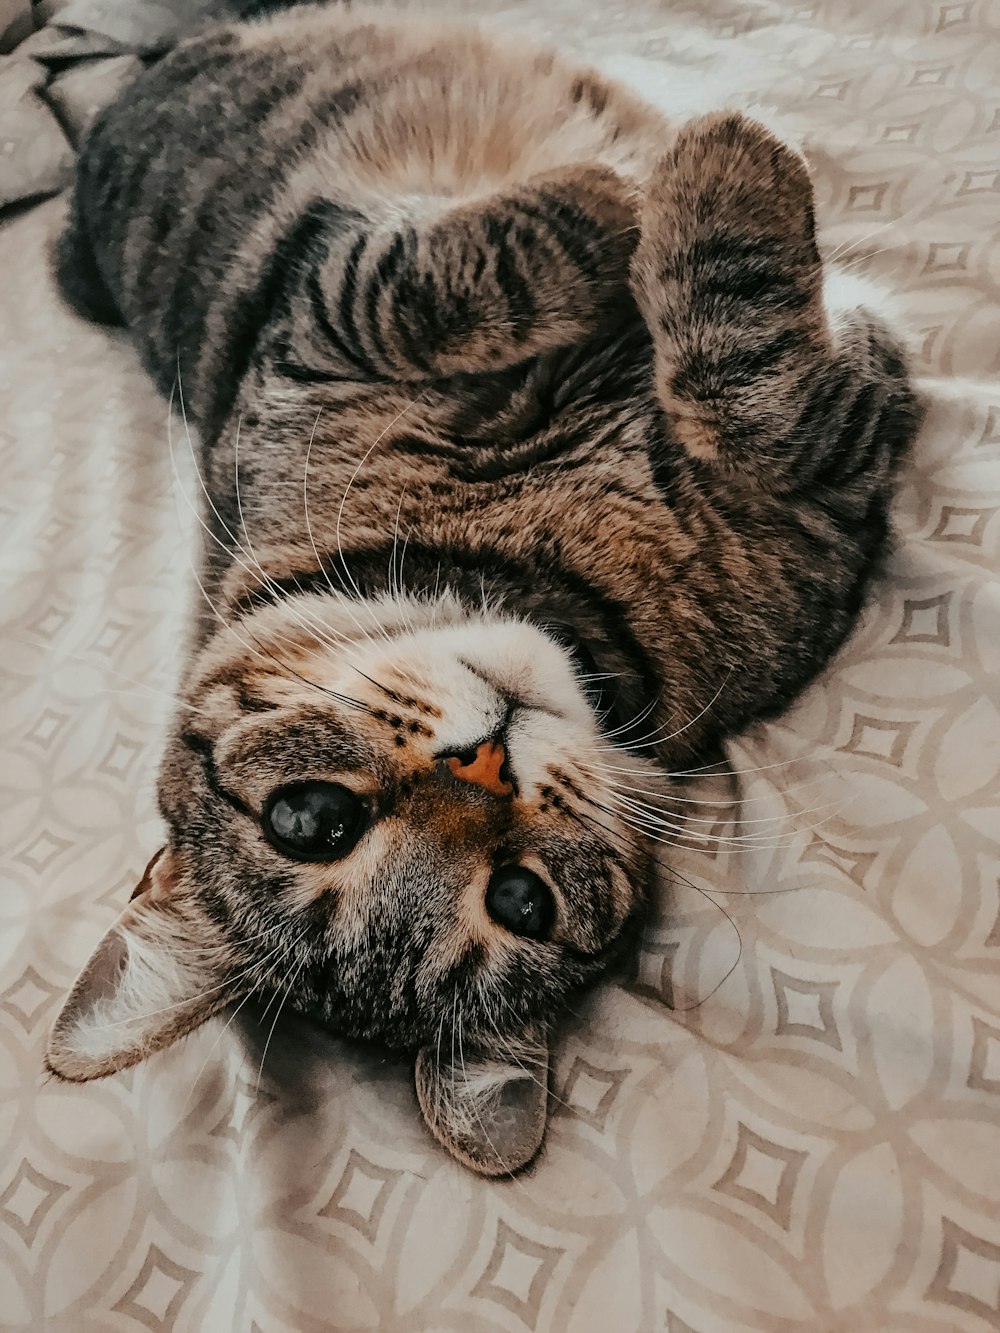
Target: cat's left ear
152	979
488	1113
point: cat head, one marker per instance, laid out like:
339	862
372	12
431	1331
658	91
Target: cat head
399	818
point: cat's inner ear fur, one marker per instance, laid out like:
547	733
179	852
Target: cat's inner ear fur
488	1112
150	981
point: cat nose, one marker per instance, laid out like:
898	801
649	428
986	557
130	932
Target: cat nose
486	765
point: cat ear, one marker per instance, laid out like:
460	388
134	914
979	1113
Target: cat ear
149	981
488	1113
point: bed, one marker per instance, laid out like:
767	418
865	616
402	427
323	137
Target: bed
789	1117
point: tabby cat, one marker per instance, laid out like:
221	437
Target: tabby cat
536	463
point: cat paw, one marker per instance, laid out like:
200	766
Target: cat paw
728	279
727	172
734	143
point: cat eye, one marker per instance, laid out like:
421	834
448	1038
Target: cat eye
520	902
313	821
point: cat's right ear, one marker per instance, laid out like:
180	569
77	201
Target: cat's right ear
153	978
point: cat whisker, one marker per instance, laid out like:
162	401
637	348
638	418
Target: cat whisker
739	952
682	840
323	561
437	595
735	846
620	840
309	623
832	256
649	823
475	1107
396	572
260	651
654	819
649	744
636	718
653	814
234	552
454	1023
151	693
705	771
354	476
675	874
627	726
739	893
677	836
208	950
228	982
251	992
599	772
509	1052
226	625
59	652
644	741
288	988
403	595
178	389
859	261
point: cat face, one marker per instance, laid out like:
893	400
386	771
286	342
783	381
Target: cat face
403	819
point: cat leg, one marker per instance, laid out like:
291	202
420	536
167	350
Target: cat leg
484	284
730	282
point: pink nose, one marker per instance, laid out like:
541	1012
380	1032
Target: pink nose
486	766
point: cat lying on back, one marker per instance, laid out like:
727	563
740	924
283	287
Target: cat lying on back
535	466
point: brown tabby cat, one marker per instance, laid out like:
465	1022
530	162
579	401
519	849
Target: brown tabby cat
536	463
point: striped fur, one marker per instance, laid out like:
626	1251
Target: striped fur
521	411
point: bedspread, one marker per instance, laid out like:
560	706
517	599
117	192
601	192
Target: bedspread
790	1119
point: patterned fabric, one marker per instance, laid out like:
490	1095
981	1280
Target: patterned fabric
791	1119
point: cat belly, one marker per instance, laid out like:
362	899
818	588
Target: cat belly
450	111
